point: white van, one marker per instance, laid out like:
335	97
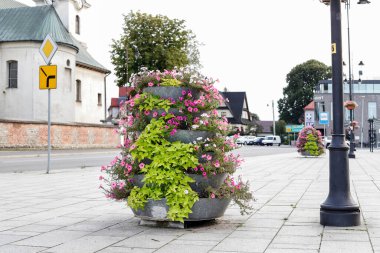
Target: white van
272	140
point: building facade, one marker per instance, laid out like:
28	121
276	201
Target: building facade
79	96
365	93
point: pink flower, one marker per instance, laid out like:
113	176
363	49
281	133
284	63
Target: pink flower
212	195
113	185
163	114
183	92
103	168
173	131
190	109
132	103
141	165
155	114
195	109
121	185
204	174
196	169
101	177
150	84
146	112
208	157
217	164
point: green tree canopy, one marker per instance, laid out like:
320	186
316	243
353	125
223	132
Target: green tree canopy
301	82
155	42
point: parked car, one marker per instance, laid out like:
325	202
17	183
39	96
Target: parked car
272	140
243	140
327	141
256	141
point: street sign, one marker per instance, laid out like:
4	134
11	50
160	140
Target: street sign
48	49
294	128
48	77
324	118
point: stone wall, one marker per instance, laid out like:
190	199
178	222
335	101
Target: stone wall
33	135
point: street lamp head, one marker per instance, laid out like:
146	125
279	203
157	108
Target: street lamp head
364	2
344	64
327	2
361	63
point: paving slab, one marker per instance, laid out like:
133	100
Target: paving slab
66	212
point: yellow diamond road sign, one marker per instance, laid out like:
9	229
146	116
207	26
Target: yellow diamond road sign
48	77
48	49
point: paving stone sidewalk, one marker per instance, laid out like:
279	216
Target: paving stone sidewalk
66	212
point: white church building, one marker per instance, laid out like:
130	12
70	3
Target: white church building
80	93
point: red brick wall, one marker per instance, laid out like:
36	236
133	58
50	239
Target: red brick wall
21	134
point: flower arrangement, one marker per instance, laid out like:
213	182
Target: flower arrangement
350	105
154	164
309	142
355	124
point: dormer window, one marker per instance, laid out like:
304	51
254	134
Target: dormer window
77	24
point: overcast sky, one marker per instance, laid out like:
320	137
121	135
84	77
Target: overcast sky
250	45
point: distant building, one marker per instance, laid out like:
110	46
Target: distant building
365	93
79	96
236	110
266	127
309	114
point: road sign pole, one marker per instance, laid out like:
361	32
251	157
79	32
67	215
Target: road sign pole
47	51
49	144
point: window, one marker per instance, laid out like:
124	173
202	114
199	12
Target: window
372	113
12	74
99	99
77	24
79	91
223	114
347	114
318	108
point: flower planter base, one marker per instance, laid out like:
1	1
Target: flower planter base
190	136
307	154
204	209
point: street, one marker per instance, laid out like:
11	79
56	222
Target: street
20	161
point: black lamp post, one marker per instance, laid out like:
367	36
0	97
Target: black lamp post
339	209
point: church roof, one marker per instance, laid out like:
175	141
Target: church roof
34	23
6	4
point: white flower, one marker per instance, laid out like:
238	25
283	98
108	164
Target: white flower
195	126
186	191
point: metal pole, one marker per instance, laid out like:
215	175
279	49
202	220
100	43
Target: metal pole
49	123
339	209
362	124
351	154
274	125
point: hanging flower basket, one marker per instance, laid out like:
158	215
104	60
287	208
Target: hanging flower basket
355	124
350	105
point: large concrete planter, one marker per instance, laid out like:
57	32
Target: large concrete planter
201	182
203	209
170	92
190	136
199	186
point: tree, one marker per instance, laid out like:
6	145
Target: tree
301	82
155	42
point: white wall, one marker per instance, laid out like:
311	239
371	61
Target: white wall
28	102
88	109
